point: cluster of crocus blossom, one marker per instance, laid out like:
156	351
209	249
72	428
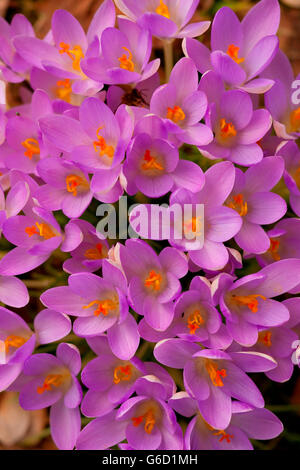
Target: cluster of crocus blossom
173	330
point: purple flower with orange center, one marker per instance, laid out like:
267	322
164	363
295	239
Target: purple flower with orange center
240	50
100	305
153	280
164	18
248	303
214	377
51	381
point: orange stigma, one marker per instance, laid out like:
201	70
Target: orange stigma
52	380
273	250
94	253
224	436
32	148
249	300
122	373
64	89
193	226
149	421
295	120
151	162
42	229
175	114
264	337
73	182
194	322
227	129
12	341
162	9
239	205
101	146
233	52
214	373
104	306
126	60
75	54
153	280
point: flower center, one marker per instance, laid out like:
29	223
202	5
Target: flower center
75	54
175	114
195	320
249	300
151	162
126	61
295	120
233	52
42	229
94	253
73	183
273	250
52	380
101	147
64	89
153	281
122	373
214	373
104	307
32	147
264	337
162	9
149	420
227	129
193	226
239	205
224	436
12	341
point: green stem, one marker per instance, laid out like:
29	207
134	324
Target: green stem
168	55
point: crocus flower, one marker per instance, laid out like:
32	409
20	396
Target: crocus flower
257	206
51	381
17	343
146	421
153	280
278	100
111	381
245	424
50	326
63	55
152	165
182	105
14	202
90	252
125	54
291	155
240	50
237	127
248	303
100	305
213	377
165	18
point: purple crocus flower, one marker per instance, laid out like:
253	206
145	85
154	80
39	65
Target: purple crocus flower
152	165
125	54
182	105
17	343
251	198
278	100
51	381
164	18
240	50
14	202
100	305
213	377
111	381
291	155
245	424
90	252
237	127
69	45
146	421
248	303
153	280
50	326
